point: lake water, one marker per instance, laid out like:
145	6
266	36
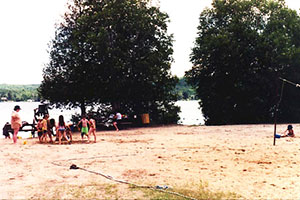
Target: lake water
190	113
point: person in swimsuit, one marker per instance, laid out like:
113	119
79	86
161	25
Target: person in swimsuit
69	131
61	129
39	128
16	122
47	126
84	126
289	132
92	130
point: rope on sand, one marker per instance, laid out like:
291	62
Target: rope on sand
154	188
94	157
290	82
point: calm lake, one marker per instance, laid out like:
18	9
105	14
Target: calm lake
190	113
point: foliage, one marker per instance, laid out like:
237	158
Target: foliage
241	50
19	92
96	190
111	51
185	91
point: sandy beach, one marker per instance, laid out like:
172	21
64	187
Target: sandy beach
236	158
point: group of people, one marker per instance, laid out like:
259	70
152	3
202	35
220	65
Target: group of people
63	130
45	129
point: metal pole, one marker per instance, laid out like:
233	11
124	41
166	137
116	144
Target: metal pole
276	109
275	124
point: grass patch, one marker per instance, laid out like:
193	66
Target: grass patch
90	191
196	191
94	190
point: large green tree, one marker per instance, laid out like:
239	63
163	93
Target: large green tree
112	51
242	48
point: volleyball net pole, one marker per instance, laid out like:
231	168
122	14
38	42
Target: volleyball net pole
278	103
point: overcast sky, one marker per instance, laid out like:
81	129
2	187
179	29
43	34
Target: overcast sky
28	26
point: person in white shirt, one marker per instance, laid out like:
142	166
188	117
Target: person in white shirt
117	118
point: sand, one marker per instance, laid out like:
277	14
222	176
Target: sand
235	158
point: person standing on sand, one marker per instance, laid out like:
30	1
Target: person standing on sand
16	122
50	126
61	129
46	127
84	127
92	130
39	128
116	120
69	131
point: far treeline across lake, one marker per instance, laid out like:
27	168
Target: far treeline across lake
18	93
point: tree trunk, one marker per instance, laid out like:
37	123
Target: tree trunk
82	107
116	106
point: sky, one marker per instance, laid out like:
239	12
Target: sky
28	26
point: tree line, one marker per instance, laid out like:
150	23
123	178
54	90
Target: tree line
19	92
185	91
8	92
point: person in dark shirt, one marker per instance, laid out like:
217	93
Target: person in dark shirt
6	129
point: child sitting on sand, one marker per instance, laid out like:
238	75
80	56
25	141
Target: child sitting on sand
84	126
289	132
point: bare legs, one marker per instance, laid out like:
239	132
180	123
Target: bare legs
92	130
62	134
15	137
115	125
